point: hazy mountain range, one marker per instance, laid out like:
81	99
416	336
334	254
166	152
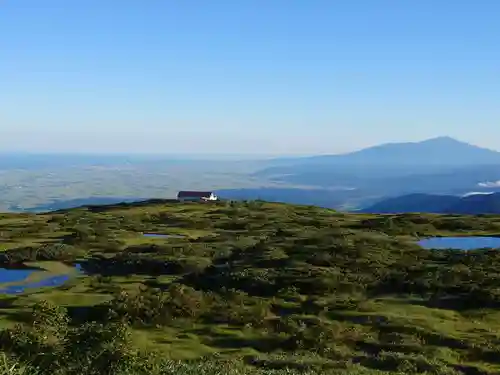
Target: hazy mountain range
433	156
473	204
440	166
437	166
436	152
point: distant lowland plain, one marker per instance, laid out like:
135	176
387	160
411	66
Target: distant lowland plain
439	175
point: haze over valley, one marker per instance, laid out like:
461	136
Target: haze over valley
349	181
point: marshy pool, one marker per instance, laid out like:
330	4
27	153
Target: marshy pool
17	279
461	243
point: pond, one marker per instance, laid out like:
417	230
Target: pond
16	277
157	235
460	243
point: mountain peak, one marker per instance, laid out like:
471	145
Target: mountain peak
445	140
442	150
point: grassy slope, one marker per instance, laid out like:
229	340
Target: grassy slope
327	275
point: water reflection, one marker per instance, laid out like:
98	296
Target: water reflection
10	275
461	243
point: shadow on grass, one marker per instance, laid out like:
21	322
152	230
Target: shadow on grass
227	341
430	338
18	316
12	312
125	266
7	303
82	314
291	363
454	303
375	349
471	370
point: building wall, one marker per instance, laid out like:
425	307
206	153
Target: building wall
212	197
190	199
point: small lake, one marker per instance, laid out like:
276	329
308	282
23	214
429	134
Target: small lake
460	243
157	235
14	276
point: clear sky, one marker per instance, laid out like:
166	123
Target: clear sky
246	76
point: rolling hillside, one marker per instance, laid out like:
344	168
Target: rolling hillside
245	288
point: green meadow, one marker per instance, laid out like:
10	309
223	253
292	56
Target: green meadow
249	288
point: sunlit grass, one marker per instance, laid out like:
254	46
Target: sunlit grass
417	330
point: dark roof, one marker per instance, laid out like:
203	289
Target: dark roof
200	194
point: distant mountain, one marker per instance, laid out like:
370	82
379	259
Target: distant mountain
450	181
476	204
473	204
386	160
440	151
435	151
440	165
427	203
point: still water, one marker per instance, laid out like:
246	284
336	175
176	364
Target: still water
460	243
20	275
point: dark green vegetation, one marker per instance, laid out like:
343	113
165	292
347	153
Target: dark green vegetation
252	288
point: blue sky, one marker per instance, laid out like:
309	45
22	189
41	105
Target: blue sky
247	76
